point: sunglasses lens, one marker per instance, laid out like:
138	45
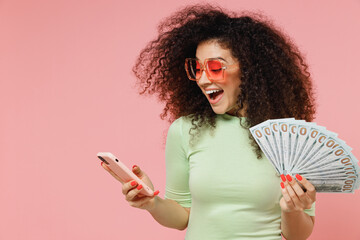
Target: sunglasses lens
215	70
193	69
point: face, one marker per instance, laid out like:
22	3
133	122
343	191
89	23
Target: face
224	100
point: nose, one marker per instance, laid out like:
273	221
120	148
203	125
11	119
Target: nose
204	79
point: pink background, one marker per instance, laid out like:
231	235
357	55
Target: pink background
67	92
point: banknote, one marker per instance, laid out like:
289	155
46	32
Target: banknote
305	148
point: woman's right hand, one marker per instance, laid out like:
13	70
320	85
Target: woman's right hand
131	189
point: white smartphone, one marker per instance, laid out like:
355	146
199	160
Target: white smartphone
124	173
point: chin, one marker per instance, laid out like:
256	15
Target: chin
219	111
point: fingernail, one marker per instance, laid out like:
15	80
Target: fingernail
282	185
102	163
289	178
139	187
156	193
133	183
283	177
298	177
134	166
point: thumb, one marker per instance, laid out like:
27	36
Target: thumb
138	172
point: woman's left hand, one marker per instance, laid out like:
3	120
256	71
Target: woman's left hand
294	198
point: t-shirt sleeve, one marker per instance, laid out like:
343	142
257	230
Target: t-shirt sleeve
311	211
177	166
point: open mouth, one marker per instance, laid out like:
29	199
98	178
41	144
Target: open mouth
213	94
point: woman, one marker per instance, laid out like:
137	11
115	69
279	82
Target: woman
239	71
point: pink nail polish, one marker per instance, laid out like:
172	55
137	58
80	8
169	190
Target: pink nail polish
283	177
289	178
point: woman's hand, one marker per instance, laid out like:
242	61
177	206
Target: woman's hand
294	198
132	189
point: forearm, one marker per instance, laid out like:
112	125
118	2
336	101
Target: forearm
296	225
169	213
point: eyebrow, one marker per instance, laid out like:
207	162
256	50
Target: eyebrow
215	57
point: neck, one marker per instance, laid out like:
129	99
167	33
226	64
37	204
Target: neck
241	112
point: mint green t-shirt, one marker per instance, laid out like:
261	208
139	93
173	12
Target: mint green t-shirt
232	194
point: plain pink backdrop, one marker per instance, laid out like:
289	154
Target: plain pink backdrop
67	92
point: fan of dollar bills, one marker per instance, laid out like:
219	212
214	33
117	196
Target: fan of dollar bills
300	147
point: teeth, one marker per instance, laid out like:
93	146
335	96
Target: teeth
212	91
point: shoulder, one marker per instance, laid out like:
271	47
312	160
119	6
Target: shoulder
178	137
181	125
179	130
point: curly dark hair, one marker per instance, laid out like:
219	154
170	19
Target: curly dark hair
275	82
